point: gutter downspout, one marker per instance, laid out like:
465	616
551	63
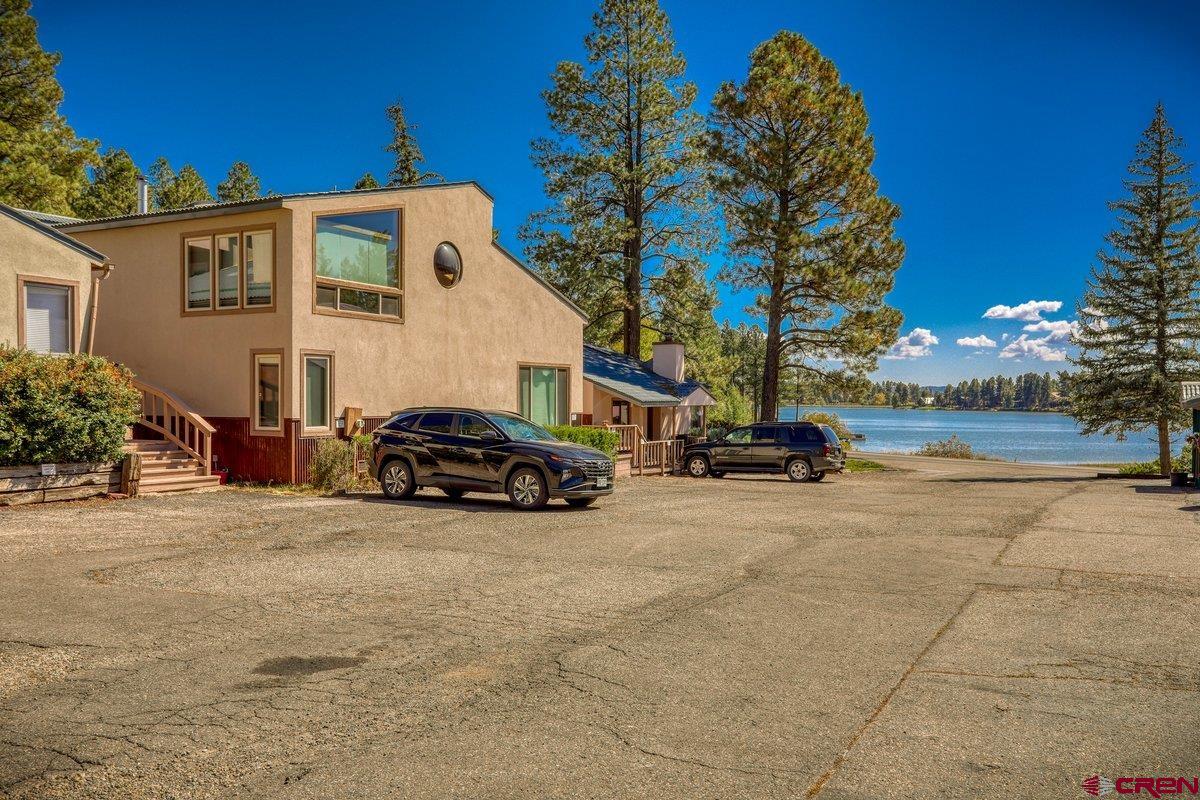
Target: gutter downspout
94	303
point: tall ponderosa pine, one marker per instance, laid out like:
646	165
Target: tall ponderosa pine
406	151
1140	316
239	184
806	225
42	162
628	223
182	190
113	191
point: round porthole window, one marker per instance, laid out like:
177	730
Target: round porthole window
447	264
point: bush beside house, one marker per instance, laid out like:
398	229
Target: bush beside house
63	409
605	441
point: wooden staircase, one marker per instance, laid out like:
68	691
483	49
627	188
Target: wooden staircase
168	468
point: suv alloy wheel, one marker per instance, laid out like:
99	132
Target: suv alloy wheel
798	470
697	466
397	480
527	489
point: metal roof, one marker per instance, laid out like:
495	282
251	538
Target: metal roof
236	206
629	378
30	219
48	218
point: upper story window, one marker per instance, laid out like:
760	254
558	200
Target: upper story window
229	270
447	264
357	264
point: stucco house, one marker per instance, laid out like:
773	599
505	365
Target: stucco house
287	319
644	400
49	285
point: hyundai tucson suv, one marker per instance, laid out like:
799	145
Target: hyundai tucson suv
804	451
462	450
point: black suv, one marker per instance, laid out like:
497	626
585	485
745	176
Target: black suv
462	450
804	451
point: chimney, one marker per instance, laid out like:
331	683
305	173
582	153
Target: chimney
143	189
668	359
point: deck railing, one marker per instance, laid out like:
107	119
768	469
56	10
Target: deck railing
164	413
631	437
661	454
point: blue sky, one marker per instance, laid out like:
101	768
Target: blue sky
1001	128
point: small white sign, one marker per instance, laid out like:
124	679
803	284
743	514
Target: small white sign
49	470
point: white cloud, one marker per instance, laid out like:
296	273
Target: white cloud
1060	330
976	341
1029	311
915	344
1004	337
1038	349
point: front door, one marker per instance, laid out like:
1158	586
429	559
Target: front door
734	451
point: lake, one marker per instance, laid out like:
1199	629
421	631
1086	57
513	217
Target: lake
1013	435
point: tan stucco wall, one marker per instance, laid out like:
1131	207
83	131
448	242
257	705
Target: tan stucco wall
202	358
26	251
600	407
458	346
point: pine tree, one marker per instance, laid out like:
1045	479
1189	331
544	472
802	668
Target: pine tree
239	184
629	222
182	190
367	181
113	190
42	162
406	151
806	226
1140	316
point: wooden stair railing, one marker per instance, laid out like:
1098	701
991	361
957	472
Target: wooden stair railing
661	453
164	413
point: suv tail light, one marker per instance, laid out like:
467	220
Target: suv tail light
828	449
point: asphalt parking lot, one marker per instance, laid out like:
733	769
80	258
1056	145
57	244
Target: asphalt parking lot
947	631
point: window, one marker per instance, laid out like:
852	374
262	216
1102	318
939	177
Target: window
766	433
48	315
739	436
406	420
437	422
807	434
447	264
473	425
544	395
229	270
268	391
357	264
318	393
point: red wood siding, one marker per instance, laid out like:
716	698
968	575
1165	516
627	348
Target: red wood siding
253	458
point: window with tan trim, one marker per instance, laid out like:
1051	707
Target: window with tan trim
356	264
229	270
316	398
47	312
267	375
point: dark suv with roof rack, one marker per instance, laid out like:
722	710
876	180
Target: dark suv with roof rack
804	451
462	450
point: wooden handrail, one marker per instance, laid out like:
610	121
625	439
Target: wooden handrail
165	413
661	453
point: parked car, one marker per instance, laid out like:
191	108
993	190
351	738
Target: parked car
462	450
804	451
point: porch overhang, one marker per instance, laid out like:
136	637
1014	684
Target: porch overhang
1190	395
634	394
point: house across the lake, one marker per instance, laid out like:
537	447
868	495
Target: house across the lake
289	319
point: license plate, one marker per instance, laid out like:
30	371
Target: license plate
601	483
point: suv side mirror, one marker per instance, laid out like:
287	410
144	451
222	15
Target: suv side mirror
489	436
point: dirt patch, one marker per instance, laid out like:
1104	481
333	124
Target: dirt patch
295	666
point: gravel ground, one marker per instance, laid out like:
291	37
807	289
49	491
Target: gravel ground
949	630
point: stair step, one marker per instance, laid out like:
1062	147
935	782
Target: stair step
170	468
176	484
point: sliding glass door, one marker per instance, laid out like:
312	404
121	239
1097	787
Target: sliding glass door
545	395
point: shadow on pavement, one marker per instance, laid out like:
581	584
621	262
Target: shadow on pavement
1015	479
482	503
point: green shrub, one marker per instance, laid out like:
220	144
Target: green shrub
63	409
834	421
732	409
1181	463
953	447
332	466
604	440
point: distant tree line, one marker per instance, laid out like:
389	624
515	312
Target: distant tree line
1032	391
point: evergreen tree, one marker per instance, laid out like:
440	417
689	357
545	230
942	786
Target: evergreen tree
113	190
628	224
42	162
239	184
182	190
1140	315
367	181
807	227
406	151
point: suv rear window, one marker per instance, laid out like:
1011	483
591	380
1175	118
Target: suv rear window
806	434
830	435
437	422
406	419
